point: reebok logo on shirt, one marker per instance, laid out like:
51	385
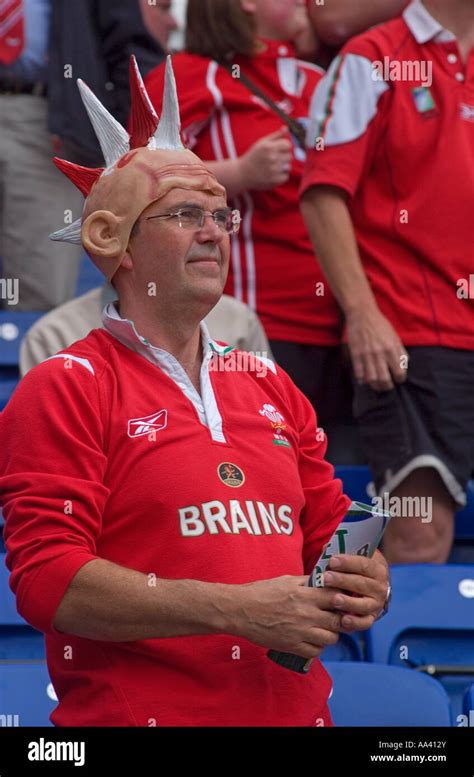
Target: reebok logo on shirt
138	427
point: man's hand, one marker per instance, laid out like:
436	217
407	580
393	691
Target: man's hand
284	614
377	353
367	580
268	162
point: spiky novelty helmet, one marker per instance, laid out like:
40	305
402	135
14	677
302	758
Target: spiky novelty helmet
141	168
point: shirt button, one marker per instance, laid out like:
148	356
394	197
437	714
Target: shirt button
452	58
459	76
283	50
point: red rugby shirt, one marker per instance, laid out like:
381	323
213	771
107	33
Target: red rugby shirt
108	451
404	152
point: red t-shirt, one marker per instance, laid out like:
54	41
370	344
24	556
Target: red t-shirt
273	266
108	452
396	114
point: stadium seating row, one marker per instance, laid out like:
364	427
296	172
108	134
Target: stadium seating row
427	635
362	695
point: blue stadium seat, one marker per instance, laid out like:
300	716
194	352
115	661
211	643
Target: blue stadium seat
8	382
357	482
375	695
18	640
465	517
348	648
27	697
468	705
430	625
13	327
89	276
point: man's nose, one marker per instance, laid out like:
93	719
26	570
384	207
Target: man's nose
209	231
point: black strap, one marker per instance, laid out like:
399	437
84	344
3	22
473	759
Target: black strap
295	127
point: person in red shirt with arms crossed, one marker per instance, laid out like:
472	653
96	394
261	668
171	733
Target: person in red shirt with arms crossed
163	502
388	197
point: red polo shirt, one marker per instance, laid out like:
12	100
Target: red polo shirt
273	267
108	451
396	115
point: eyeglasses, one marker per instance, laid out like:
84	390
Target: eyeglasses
192	217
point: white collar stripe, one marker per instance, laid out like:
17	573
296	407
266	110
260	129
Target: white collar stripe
85	362
423	26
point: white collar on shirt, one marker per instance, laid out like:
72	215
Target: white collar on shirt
423	26
124	330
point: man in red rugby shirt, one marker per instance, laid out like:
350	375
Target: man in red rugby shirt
388	196
164	499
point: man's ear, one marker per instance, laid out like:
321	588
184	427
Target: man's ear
127	260
101	235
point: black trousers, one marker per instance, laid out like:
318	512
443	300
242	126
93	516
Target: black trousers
323	374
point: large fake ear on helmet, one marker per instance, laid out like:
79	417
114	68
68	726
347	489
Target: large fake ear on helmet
102	235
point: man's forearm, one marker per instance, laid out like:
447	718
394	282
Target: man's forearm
229	173
330	227
109	602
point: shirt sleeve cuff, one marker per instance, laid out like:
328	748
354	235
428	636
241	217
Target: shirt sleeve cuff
39	601
319	179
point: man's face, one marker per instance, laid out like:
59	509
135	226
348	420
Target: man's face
159	20
187	265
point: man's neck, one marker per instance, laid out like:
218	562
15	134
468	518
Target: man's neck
181	338
457	16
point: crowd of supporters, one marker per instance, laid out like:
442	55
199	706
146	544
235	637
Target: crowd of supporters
343	132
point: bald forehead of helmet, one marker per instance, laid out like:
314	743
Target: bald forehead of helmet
145	175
